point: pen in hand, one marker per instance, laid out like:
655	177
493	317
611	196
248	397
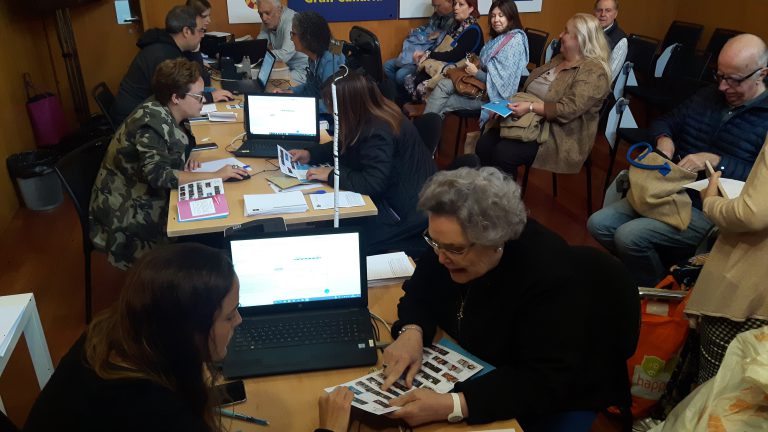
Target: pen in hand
243	417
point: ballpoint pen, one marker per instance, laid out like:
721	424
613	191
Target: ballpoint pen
243	417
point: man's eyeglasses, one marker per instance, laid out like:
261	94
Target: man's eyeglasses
734	82
453	250
198	97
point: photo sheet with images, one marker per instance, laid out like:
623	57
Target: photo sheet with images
441	368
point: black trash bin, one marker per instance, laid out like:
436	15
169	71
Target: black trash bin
38	184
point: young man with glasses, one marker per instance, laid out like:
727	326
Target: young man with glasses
183	33
724	125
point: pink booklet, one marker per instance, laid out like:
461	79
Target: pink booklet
203	199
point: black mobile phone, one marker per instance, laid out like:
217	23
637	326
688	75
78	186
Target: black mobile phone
206	146
230	393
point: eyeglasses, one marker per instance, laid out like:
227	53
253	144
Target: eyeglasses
198	97
734	82
453	250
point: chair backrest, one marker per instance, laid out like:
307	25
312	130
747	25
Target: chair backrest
719	37
618	116
105	99
640	52
430	126
77	171
553	48
537	42
682	32
368	52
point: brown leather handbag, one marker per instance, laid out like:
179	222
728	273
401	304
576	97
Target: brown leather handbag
464	83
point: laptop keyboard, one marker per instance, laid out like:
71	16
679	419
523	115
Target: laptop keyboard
259	148
252	335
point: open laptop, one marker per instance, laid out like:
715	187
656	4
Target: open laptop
313	280
283	119
259	85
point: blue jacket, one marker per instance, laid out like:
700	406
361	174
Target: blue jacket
696	126
317	73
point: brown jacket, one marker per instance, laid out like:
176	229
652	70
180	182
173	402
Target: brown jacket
572	107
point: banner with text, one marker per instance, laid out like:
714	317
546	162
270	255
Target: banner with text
349	10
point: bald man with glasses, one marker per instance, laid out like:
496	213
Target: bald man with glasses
723	124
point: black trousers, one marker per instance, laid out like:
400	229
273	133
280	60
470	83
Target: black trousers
505	154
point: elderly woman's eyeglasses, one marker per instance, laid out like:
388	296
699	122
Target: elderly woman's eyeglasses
734	82
198	97
453	250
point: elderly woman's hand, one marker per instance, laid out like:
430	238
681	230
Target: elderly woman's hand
402	356
711	190
335	408
423	406
471	69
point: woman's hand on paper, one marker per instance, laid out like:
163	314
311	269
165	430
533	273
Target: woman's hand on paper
319	173
422	406
711	190
300	156
402	356
335	408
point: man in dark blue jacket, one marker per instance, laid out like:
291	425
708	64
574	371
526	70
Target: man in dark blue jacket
183	32
725	126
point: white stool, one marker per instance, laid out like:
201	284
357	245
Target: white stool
18	314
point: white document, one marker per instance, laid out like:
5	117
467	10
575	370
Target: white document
263	204
215	165
346	199
241	12
208	108
222	116
389	266
202	207
218	34
277	189
732	187
289	167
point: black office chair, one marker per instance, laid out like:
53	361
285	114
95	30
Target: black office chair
716	42
537	43
684	33
366	53
430	127
641	51
105	99
6	425
77	171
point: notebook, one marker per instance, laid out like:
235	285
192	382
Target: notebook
258	85
286	120
311	279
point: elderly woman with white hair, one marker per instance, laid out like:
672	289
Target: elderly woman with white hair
571	89
506	289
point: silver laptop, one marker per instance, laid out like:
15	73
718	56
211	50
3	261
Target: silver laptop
304	302
286	120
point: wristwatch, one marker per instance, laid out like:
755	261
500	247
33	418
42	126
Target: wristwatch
456	415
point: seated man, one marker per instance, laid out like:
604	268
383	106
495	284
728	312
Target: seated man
276	28
441	21
183	32
606	11
727	128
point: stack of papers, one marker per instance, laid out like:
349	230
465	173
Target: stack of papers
346	199
267	204
222	116
387	269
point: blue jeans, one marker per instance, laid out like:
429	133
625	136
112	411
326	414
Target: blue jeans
398	73
635	239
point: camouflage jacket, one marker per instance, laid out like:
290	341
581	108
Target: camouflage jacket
129	202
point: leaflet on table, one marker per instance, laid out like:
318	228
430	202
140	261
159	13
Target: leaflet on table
389	268
441	368
262	204
215	165
499	107
290	167
346	199
222	116
203	199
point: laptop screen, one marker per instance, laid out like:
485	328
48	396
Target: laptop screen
266	69
295	269
281	115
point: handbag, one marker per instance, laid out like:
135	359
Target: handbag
529	127
656	187
45	115
463	83
434	68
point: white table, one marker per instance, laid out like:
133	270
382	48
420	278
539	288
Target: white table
18	314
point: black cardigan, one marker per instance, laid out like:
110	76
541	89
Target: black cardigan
526	317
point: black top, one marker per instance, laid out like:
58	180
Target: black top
389	168
470	40
614	34
527	317
76	399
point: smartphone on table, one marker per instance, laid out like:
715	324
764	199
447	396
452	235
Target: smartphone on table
230	393
205	146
